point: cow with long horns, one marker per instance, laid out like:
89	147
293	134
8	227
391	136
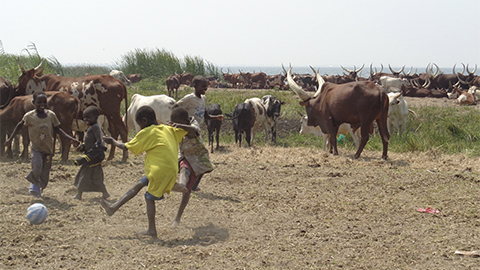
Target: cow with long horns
356	103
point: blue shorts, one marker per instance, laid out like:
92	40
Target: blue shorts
149	196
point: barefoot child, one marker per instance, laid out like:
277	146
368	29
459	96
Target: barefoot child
42	126
90	176
194	159
194	163
160	142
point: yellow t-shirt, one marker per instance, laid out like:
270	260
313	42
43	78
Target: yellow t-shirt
160	142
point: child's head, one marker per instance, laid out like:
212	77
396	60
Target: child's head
180	115
90	115
200	84
40	101
145	117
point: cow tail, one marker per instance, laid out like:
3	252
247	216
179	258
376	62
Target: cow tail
385	103
126	107
79	111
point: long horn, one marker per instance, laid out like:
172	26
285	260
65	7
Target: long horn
473	72
21	67
371	71
320	81
438	71
462	81
39	65
427	83
349	71
391	70
295	88
360	68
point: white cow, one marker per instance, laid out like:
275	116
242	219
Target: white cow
475	91
342	129
391	84
161	104
117	74
397	113
260	118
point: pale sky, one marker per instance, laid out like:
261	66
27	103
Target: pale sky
250	32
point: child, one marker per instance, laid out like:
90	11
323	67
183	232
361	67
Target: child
194	159
194	163
90	175
196	102
160	142
42	125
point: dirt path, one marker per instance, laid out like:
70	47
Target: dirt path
261	208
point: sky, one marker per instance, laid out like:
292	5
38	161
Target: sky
250	32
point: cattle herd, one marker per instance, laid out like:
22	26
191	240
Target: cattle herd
342	104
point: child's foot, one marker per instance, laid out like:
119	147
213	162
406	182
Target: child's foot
106	206
148	233
196	189
180	188
176	223
105	195
35	190
77	197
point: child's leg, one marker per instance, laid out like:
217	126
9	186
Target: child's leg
183	179
37	165
152	230
112	208
47	166
79	195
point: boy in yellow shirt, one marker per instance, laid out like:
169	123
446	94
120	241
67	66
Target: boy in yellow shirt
160	142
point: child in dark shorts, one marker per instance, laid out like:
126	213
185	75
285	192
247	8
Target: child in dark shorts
160	142
90	176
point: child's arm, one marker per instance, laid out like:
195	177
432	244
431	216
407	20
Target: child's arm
188	128
112	141
213	117
62	133
15	131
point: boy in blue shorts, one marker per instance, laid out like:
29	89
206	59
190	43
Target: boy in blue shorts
160	142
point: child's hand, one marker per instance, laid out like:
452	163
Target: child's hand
8	142
220	117
108	139
76	143
81	148
172	124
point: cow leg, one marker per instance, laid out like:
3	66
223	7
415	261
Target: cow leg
217	136
247	137
274	135
385	136
365	129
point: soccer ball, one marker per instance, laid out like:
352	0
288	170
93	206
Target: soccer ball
37	213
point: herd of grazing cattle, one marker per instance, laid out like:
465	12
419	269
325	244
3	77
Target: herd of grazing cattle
340	104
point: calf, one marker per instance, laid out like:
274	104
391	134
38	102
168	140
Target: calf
161	104
173	83
213	125
273	106
342	129
462	97
397	113
242	117
260	119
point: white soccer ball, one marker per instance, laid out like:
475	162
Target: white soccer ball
37	213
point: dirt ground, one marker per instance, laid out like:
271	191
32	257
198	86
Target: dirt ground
261	208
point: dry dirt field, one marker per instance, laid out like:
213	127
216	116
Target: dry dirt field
261	208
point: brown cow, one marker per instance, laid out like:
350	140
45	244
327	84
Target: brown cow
232	79
134	78
7	92
103	91
173	83
64	105
356	103
186	78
